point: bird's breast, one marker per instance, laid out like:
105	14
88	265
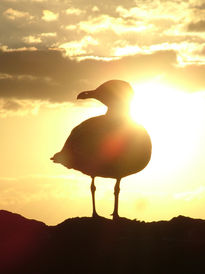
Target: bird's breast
109	148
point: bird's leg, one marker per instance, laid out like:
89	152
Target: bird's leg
93	189
116	193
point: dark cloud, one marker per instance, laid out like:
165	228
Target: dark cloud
11	105
199	26
47	75
198	5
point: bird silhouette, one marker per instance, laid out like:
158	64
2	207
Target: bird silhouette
109	145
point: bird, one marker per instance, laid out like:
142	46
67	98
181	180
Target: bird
108	145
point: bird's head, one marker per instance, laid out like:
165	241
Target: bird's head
115	94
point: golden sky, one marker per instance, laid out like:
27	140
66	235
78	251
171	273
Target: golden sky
50	50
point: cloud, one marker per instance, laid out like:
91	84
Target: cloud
76	48
48	34
74	11
49	16
198	26
5	76
105	22
137	24
15	107
13	14
126	50
6	49
95	9
40	75
148	10
71	27
10	107
135	12
187	52
47	75
190	195
32	39
28	87
50	76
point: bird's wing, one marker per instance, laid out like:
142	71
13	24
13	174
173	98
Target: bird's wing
84	136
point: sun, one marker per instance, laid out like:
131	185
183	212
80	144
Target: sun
173	119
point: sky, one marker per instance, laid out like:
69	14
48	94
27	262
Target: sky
51	50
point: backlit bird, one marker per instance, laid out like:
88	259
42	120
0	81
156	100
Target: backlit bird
108	145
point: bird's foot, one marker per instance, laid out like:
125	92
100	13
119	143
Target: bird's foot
95	215
115	216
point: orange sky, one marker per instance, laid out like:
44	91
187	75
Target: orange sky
50	51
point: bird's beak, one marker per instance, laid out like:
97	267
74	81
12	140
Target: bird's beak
86	94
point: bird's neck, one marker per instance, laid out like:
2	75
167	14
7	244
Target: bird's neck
118	113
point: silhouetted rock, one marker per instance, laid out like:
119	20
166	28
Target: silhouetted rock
20	240
100	245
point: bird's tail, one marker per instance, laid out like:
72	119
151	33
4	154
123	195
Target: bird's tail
57	158
61	158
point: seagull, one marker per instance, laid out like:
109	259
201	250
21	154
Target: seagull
109	145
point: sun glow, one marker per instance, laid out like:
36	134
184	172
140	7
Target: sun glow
173	119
